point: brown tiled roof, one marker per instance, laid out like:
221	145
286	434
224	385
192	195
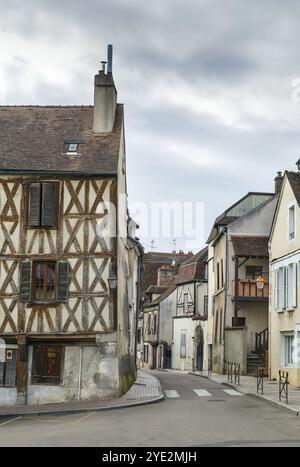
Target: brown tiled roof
294	179
156	289
32	140
245	246
153	261
163	296
194	268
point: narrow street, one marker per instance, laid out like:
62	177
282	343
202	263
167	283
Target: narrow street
196	412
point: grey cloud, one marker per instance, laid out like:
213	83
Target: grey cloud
224	44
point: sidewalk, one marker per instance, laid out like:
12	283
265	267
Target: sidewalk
146	390
271	390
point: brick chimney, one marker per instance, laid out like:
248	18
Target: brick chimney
105	98
278	182
164	275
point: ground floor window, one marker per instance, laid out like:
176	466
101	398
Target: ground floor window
47	364
183	344
289	350
8	369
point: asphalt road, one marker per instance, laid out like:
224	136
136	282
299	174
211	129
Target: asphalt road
197	412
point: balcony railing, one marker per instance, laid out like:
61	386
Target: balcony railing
247	289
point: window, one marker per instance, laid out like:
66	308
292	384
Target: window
183	344
72	148
8	369
186	303
44	281
216	326
289	358
222	273
238	322
47	364
292	223
42	205
218	276
146	353
254	272
139	336
286	287
154	324
221	327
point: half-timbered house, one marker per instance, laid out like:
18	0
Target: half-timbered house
65	272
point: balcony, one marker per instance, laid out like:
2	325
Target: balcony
247	290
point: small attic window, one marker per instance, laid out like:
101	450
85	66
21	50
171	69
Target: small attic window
73	145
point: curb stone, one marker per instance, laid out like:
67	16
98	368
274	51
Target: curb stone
79	410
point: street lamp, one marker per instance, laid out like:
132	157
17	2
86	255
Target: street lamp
112	281
260	283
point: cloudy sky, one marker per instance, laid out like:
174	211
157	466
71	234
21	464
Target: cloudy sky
210	87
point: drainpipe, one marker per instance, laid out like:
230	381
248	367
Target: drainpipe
225	295
80	374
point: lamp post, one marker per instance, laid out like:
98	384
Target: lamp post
112	280
260	284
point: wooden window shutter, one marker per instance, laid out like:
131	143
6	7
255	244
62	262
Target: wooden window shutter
49	204
34	205
25	281
63	281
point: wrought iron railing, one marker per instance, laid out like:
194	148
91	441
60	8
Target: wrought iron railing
283	386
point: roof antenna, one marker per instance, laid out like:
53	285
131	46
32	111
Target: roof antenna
109	58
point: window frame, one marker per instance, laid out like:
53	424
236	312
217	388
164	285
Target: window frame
291	220
183	343
3	386
254	277
41	226
291	352
146	353
34	281
39	380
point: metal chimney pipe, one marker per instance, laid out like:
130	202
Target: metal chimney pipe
109	58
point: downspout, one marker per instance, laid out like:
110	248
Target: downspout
225	295
80	374
271	297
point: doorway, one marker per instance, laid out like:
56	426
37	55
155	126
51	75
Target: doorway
199	346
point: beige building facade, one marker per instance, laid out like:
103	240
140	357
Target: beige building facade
285	282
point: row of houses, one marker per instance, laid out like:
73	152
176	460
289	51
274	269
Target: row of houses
238	299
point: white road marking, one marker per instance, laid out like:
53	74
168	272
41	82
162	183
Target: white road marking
232	392
202	393
171	394
10	421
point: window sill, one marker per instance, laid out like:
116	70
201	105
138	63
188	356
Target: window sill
47	384
41	228
45	304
